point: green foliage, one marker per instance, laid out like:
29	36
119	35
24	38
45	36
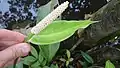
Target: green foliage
84	64
19	65
52	66
58	31
43	11
41	59
67	63
69	59
49	38
49	51
54	33
35	65
87	60
68	54
46	9
109	64
34	52
29	60
87	57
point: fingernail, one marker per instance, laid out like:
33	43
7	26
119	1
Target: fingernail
25	49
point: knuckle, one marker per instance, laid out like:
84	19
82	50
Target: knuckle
2	64
14	53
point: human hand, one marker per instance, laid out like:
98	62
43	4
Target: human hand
11	47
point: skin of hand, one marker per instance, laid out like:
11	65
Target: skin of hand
11	47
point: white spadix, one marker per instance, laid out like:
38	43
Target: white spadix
49	18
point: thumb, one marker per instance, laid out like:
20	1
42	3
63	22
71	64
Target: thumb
13	52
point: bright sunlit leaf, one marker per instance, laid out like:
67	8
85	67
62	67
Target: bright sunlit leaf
57	32
109	64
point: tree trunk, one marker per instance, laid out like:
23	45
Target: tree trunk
107	27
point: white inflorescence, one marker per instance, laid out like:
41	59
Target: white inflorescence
49	18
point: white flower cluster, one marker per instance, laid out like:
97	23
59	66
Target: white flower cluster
49	18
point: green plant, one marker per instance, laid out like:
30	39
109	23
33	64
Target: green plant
108	64
44	10
87	60
46	36
57	32
41	58
68	59
49	38
87	57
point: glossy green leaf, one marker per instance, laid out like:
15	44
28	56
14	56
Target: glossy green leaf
28	60
58	31
49	51
34	52
109	64
87	57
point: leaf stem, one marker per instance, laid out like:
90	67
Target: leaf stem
15	62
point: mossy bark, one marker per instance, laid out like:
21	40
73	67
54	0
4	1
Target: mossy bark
107	27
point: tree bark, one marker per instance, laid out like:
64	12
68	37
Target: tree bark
107	27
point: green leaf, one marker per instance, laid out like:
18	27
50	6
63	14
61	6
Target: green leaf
18	65
28	60
41	58
49	51
43	11
84	64
46	67
36	65
67	63
51	66
68	54
34	52
43	63
87	57
54	66
58	31
109	64
71	59
29	36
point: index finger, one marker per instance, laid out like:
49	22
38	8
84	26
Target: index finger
7	35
